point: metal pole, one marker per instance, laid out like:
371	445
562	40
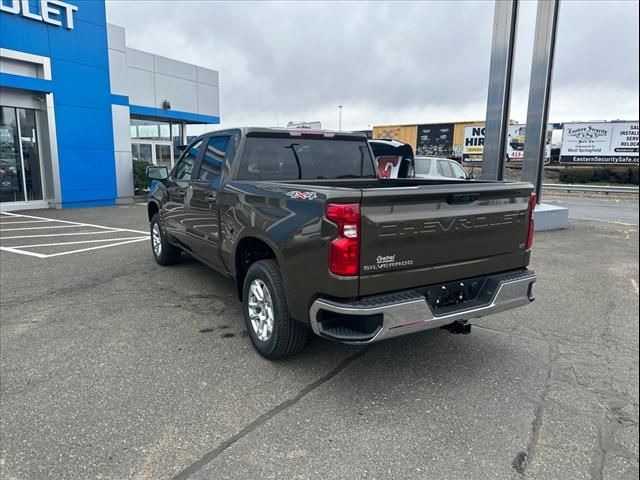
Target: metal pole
339	118
539	92
497	124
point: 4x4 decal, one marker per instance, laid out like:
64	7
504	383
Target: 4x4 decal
298	195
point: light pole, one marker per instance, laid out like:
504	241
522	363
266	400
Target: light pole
339	118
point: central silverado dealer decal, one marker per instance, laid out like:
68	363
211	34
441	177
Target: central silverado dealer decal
387	261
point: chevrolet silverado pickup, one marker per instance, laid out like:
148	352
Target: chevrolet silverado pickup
316	242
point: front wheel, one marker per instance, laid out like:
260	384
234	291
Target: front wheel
273	333
163	251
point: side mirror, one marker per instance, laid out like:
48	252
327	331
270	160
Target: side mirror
471	176
157	172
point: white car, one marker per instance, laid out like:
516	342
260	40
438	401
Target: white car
436	168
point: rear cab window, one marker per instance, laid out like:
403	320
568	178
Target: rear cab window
302	157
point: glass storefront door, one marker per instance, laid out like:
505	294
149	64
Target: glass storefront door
163	155
142	151
20	178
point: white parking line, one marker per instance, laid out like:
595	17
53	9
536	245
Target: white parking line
64	234
27	249
74	243
73	223
38	228
25	221
22	252
41	255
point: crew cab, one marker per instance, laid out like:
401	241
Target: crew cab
316	242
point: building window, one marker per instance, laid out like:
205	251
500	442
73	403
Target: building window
150	129
156	142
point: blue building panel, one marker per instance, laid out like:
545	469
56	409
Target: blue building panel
18	33
83	127
84	183
173	115
92	11
80	84
26	83
85	44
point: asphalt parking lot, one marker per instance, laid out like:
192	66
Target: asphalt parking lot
112	367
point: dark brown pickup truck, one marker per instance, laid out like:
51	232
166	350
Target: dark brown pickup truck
317	242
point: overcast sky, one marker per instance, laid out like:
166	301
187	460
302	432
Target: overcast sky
396	62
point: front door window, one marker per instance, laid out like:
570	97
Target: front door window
20	177
184	168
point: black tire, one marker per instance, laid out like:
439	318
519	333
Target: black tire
166	254
287	337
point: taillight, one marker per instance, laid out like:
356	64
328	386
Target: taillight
533	201
344	251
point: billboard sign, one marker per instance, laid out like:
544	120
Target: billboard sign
473	143
515	142
435	140
604	142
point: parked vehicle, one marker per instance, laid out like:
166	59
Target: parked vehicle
393	159
435	168
315	241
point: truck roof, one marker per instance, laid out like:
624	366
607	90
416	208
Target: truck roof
295	132
302	131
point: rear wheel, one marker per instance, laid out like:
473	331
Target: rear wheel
163	251
273	333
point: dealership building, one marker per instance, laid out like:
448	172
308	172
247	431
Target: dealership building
78	106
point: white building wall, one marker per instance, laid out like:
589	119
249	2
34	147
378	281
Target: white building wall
148	80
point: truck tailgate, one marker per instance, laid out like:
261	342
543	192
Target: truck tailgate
426	234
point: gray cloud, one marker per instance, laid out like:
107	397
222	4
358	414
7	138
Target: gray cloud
386	62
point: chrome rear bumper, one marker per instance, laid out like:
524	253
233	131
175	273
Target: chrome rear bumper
408	311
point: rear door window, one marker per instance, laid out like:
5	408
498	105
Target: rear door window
423	166
300	158
444	168
214	157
